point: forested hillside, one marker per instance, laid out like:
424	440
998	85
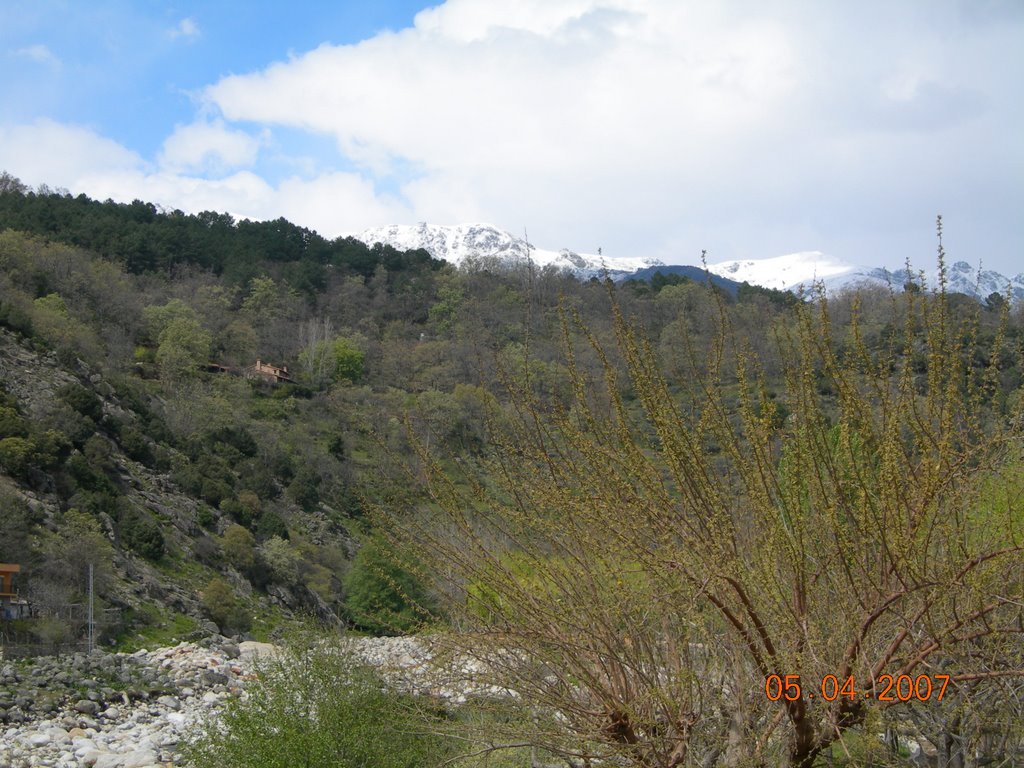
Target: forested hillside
223	416
128	418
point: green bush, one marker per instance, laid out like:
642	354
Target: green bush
239	547
205	517
281	561
83	400
223	608
257	477
88	477
140	533
188	478
320	707
98	453
51	448
66	420
11	423
16	456
236	511
382	595
305	488
237	438
136	446
95	503
269	525
214	491
16	318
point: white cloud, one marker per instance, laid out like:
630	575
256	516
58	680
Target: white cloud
60	155
649	127
186	28
205	146
337	203
659	125
38	53
76	158
457	92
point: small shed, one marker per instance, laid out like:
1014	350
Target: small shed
7	571
11	606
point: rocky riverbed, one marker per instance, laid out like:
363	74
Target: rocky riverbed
116	710
135	710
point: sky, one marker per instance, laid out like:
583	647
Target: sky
652	128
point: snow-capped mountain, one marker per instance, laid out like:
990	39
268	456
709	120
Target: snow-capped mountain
460	242
784	272
961	277
457	242
801	270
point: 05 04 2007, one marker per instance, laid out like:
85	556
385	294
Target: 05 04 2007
885	688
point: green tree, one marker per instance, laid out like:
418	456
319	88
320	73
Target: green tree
263	302
348	361
52	304
17	528
315	358
282	561
183	346
325	359
444	313
78	543
157	318
83	400
52	321
995	301
239	547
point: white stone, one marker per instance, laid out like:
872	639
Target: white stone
58	735
141	758
83	746
170	702
108	760
251	649
38	739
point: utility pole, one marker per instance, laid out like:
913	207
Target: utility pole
92	622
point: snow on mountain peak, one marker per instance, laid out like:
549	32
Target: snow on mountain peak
452	243
784	272
457	242
802	270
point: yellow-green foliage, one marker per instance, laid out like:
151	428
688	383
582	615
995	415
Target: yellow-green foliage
222	606
844	539
239	546
319	706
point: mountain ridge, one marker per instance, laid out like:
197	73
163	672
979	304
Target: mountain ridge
801	270
457	243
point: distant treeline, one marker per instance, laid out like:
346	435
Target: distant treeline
145	238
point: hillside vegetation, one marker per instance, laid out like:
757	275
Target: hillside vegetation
492	411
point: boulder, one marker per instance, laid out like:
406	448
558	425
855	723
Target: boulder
87	707
143	758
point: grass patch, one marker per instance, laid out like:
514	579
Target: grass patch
152	626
